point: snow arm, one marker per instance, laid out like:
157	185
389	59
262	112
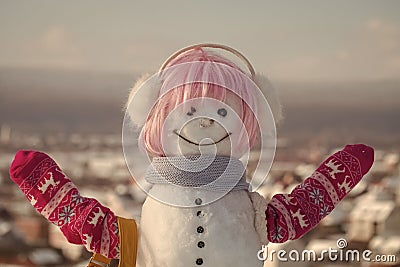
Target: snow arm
290	216
82	220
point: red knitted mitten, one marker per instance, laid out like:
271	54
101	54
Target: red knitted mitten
82	220
289	216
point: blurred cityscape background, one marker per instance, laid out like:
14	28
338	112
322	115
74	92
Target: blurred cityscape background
66	69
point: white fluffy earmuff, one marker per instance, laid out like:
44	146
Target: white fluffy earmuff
148	94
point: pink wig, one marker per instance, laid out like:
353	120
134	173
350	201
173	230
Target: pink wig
224	73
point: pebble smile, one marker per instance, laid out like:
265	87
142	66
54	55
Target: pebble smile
197	144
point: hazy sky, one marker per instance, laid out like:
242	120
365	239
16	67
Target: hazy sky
287	40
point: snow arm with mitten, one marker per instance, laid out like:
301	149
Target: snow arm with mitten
82	220
290	216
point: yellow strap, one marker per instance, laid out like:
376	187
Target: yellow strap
128	242
99	260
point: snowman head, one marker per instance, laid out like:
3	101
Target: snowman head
204	106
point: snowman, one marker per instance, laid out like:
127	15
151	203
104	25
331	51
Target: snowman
189	134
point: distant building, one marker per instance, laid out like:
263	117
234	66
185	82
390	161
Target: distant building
5	134
371	218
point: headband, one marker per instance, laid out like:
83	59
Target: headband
209	45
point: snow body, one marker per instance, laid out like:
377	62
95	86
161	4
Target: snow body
170	236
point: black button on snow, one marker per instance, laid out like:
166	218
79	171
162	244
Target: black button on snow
199	213
198	201
200	229
199	261
201	244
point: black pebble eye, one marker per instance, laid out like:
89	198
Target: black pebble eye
222	112
192	110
